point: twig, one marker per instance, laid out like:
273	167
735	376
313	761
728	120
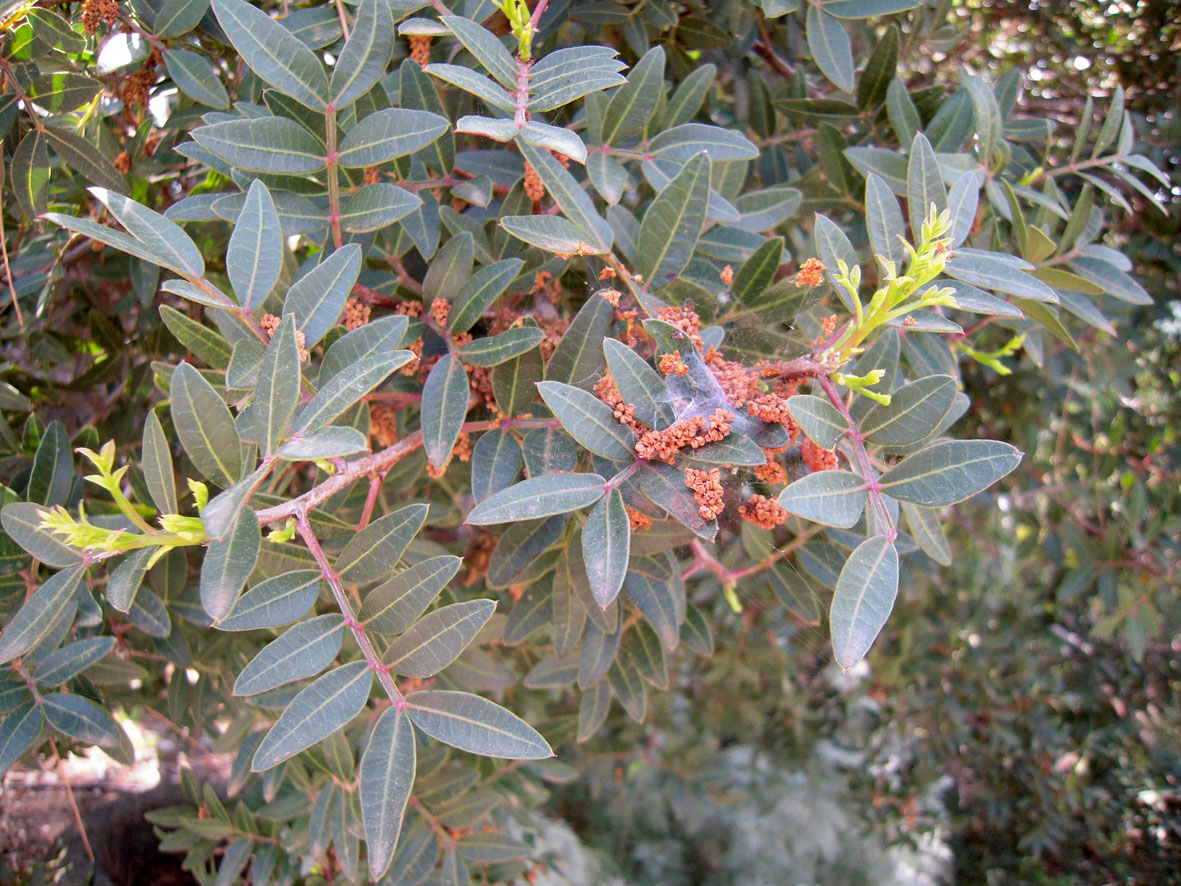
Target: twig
73	805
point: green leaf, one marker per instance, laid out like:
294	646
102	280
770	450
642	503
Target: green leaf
660	600
327	442
18	730
926	530
445	399
365	55
793	592
575	203
553	138
375	207
924	183
224	509
178	17
633	104
496	463
672	223
1111	279
697	633
830	47
480	291
276	145
988	115
682	143
915	411
863	598
274	602
156	461
302	651
994	273
318	297
819	419
384	782
639	385
72	659
379	336
205	427
274	53
155	231
52	472
348	386
883	219
832	247
628	686
196	77
81	719
951	471
593	709
496	349
598	651
228	563
451	267
879	69
832	498
486	48
54	31
387	134
606	547
254	258
278	387
64	91
126	579
394	605
578	358
22	522
373	552
664	486
475	725
588	420
867	8
549	232
30	173
206	344
962	201
538	497
478	85
84	158
438	638
489	847
36	616
315	713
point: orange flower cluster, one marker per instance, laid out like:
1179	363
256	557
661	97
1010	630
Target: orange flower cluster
611	296
122	162
608	273
476	558
762	512
408	308
685	319
372	175
772	472
441	311
672	364
420	49
827	326
561	158
688	433
707	491
356	314
739	382
96	11
136	86
816	458
811	274
727	275
383	425
534	188
625	413
415	347
638	519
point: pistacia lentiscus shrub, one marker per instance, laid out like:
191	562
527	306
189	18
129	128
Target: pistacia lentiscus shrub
416	354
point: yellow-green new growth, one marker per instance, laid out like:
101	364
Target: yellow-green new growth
899	295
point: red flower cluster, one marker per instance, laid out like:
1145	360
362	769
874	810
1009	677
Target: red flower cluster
688	433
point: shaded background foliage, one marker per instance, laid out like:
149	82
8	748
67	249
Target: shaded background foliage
1021	708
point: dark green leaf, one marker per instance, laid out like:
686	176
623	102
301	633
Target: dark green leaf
833	498
387	134
950	471
661	601
497	349
445	398
364	57
393	606
475	725
924	183
672	223
57	595
196	77
156	232
178	17
480	291
538	497
377	206
278	387
52	472
205	427
80	718
22	521
125	580
373	552
274	602
302	651
384	783
989	272
276	145
157	466
72	659
664	485
879	69
588	420
488	50
438	638
315	713
633	104
18	730
327	442
915	411
84	158
349	385
639	385
606	545
318	297
830	47
254	258
273	53
863	598
228	563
